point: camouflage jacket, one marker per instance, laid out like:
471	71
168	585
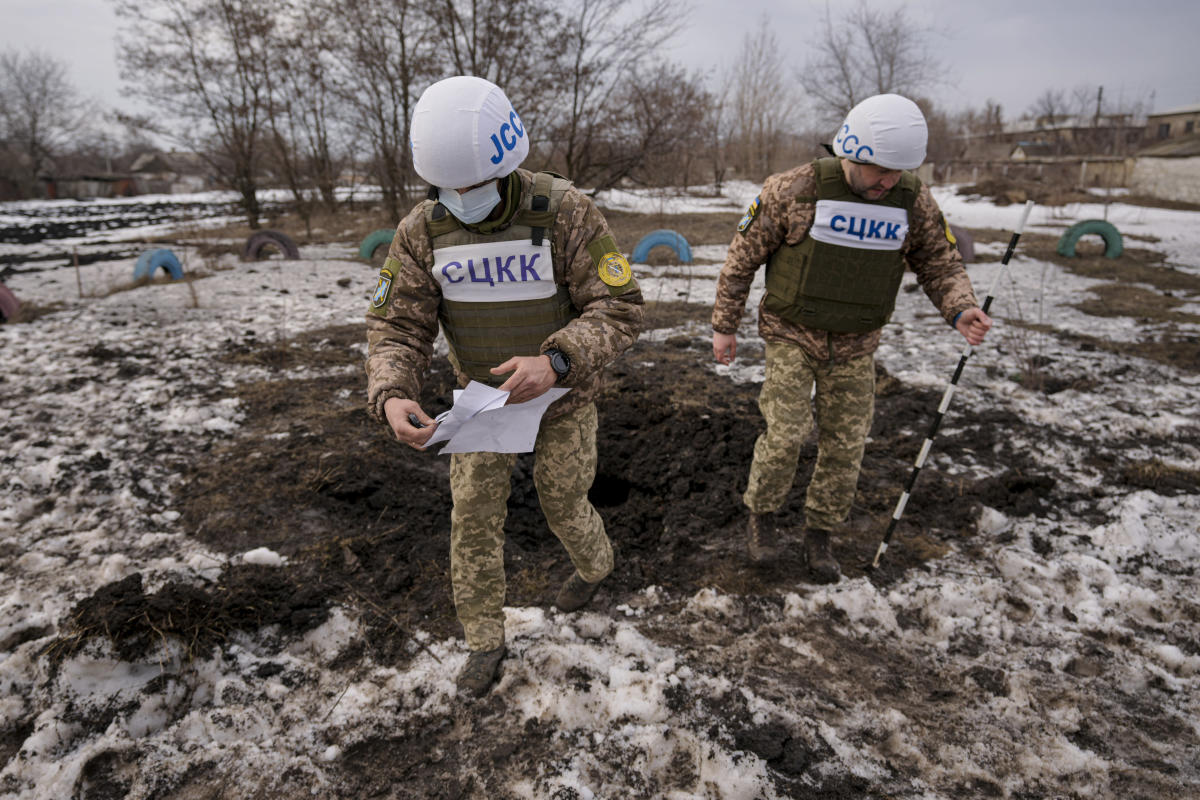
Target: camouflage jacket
781	219
400	336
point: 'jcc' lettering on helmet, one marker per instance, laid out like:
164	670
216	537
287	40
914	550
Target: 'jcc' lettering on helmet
847	142
506	138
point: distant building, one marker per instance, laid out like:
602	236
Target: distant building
172	173
55	187
1028	150
1173	124
1170	169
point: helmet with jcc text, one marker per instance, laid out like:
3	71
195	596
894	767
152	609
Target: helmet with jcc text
464	132
887	130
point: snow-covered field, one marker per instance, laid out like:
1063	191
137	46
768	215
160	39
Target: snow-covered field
1019	669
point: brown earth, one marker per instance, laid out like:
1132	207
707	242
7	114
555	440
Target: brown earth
365	522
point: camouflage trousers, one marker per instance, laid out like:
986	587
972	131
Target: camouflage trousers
564	469
845	405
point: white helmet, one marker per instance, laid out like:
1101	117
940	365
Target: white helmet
464	131
887	129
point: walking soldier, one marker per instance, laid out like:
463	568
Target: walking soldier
836	236
524	276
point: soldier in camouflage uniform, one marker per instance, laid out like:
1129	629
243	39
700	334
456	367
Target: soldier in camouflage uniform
526	281
836	236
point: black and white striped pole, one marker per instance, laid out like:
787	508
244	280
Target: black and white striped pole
945	404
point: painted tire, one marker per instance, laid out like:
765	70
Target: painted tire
262	240
9	304
1113	245
374	241
964	243
150	261
671	239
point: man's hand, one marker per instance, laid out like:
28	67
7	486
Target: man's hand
724	347
397	411
973	324
531	377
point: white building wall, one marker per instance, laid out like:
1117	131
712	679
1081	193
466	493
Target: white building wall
1167	178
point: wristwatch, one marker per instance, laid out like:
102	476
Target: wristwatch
558	362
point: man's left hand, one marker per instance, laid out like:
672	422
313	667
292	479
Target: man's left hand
973	324
531	377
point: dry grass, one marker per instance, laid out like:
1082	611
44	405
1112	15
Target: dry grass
1155	475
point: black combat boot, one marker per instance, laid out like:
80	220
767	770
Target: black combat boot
575	593
480	671
762	536
821	563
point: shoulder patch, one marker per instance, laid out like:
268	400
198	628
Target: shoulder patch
949	233
383	290
750	215
614	269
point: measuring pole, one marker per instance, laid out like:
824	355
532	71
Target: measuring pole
937	418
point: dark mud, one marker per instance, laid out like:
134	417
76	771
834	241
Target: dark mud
367	520
364	522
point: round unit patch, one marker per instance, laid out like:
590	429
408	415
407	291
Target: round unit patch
614	269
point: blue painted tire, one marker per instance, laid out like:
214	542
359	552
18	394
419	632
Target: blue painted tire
1113	245
375	240
151	261
671	239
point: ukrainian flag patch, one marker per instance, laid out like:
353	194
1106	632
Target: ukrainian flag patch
751	215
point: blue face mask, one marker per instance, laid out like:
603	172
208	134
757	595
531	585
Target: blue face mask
471	206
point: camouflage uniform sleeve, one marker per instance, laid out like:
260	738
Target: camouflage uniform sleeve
762	230
402	321
937	262
610	317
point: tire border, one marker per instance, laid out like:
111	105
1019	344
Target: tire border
374	240
150	261
256	241
10	306
663	236
1113	243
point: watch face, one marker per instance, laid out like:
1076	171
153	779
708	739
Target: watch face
559	363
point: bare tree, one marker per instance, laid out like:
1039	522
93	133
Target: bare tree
41	114
205	64
1050	107
305	110
384	54
606	42
868	51
763	102
493	40
655	132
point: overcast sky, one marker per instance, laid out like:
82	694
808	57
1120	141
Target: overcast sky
1010	51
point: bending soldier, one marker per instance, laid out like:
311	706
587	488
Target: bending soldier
525	278
836	236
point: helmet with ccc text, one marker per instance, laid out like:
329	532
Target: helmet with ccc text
464	132
887	130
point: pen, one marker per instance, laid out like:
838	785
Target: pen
416	423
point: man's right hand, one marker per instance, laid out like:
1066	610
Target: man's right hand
397	411
724	347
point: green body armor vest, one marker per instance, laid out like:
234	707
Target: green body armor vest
849	286
485	334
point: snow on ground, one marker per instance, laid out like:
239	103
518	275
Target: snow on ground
261	709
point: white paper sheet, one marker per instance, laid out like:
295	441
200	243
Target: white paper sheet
480	422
